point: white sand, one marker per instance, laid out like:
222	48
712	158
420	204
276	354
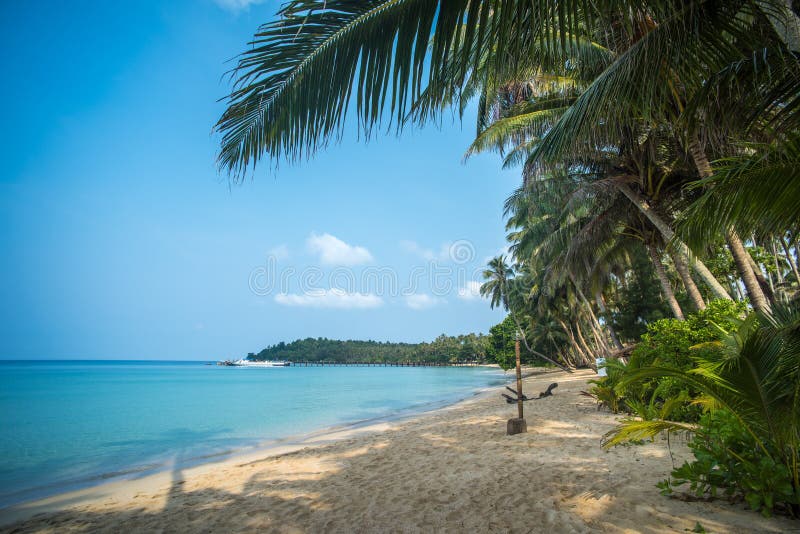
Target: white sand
452	470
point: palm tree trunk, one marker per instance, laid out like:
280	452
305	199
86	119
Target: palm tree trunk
763	282
576	358
591	354
784	21
601	305
599	338
571	335
666	288
669	236
789	259
688	282
699	157
534	352
737	288
776	256
740	255
781	288
742	259
588	306
763	276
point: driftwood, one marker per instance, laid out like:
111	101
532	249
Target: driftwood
549	390
514	391
547	393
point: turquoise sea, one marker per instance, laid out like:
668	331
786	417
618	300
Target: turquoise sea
71	424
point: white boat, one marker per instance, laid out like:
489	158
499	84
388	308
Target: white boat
250	363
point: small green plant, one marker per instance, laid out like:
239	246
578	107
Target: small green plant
728	460
607	389
666	487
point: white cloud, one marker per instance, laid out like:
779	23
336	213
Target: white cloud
422	301
470	291
414	248
334	251
236	6
330	298
281	252
444	254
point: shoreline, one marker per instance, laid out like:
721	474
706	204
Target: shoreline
452	469
86	489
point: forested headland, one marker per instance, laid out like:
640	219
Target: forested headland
443	349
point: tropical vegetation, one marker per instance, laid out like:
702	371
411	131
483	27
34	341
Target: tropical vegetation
746	438
442	350
658	215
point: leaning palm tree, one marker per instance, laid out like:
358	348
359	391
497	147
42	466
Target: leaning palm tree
523	120
392	62
500	288
676	91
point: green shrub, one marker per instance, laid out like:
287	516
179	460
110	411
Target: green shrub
500	349
674	343
728	459
671	343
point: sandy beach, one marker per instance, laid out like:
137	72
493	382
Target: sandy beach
451	470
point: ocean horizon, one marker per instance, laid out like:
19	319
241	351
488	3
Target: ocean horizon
70	424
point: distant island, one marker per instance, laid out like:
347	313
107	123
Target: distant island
443	349
495	347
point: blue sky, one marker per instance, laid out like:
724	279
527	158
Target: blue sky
121	240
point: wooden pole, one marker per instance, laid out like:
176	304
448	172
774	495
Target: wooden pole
518	425
519	379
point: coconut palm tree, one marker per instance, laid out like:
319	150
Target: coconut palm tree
641	95
735	194
682	97
499	276
500	287
522	120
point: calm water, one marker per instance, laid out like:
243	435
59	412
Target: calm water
71	424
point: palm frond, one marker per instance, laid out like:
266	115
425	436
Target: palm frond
674	57
304	71
757	192
517	129
293	87
637	429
